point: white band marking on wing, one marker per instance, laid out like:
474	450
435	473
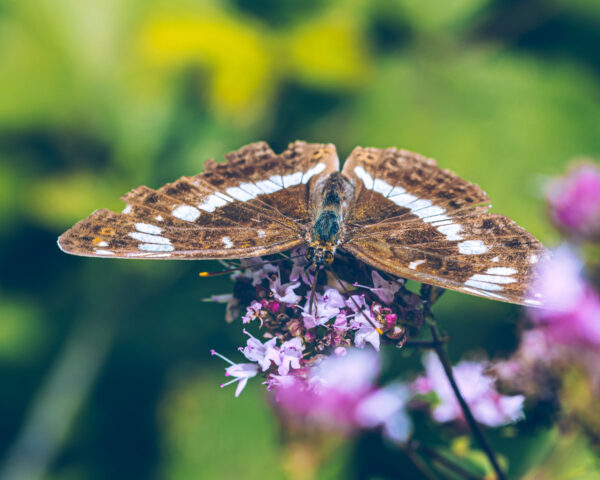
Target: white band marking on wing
415	264
152	247
147	238
492	278
501	271
292	179
366	178
186	213
483	285
472	247
147	228
311	172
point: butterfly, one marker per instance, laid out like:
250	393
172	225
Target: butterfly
395	210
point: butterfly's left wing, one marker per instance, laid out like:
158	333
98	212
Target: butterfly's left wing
415	220
254	204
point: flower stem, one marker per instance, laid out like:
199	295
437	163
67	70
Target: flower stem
418	462
473	425
425	343
444	461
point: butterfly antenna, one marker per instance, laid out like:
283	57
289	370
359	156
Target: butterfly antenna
242	267
347	292
313	291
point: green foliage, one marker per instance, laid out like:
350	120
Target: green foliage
98	96
208	433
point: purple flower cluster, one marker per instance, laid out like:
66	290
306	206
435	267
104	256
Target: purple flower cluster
566	331
574	203
478	389
340	393
316	351
571	315
300	328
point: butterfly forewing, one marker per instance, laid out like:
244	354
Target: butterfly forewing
414	220
255	204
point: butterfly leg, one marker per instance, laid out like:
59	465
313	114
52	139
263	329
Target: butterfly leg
313	297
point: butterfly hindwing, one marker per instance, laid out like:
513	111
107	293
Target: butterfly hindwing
430	225
255	204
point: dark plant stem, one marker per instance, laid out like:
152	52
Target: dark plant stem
418	462
444	461
473	425
425	343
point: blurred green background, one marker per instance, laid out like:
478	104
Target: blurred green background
104	365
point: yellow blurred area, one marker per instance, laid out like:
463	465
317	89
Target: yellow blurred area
235	55
100	96
246	61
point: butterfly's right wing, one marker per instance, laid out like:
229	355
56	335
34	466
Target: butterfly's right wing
417	221
255	204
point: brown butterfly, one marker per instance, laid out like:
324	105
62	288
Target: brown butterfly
392	209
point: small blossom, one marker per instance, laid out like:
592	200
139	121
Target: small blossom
240	371
254	272
275	382
300	267
364	323
354	374
340	324
488	406
327	306
284	293
366	333
340	393
385	407
290	354
340	351
575	202
571	313
252	312
273	307
262	353
384	290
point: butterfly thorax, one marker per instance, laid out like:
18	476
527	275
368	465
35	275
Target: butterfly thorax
332	195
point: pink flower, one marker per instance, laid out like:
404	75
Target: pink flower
290	354
266	354
385	407
382	288
365	333
488	406
363	322
241	372
252	312
571	313
340	393
328	306
257	275
284	293
575	202
300	267
262	353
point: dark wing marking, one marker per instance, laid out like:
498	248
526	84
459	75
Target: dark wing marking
417	221
415	186
255	204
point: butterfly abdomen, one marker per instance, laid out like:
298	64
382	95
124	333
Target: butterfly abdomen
332	195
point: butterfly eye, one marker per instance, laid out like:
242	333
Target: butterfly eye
310	254
328	258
